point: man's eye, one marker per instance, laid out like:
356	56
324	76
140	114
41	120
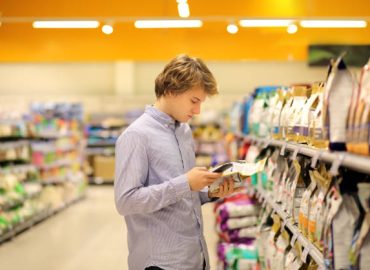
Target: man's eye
193	102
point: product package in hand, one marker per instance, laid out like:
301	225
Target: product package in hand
237	170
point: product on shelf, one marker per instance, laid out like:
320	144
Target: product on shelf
14	151
338	93
50	139
260	115
275	130
236	225
239	256
102	132
358	141
208	141
315	203
334	111
296	130
318	133
325	210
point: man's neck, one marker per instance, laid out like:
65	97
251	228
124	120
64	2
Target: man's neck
160	105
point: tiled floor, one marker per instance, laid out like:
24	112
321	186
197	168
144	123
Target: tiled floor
88	235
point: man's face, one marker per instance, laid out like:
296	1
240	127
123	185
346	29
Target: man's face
184	106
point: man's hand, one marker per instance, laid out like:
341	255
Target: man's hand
200	177
225	189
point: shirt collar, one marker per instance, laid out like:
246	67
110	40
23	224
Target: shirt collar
161	117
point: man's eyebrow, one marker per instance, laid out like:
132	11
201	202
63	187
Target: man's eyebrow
197	98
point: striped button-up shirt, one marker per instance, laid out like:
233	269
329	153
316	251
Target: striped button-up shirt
163	216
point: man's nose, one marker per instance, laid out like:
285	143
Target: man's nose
196	109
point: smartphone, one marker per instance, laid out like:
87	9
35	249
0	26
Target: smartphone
221	168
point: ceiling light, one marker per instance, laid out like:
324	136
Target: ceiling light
168	23
232	28
183	9
265	23
107	29
333	24
65	24
292	29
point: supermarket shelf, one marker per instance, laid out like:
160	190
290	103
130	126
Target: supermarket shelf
101	145
53	135
14	144
56	164
14	162
100	181
58	180
37	147
345	159
204	153
9	205
39	217
106	151
107	127
200	141
309	248
13	138
18	168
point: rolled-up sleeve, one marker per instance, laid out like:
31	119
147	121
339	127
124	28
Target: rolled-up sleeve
131	173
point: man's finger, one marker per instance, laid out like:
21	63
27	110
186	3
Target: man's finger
222	189
238	189
213	175
231	184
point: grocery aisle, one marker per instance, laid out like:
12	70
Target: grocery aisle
87	235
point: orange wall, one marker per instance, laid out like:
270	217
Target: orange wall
20	42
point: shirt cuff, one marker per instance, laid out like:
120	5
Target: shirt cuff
181	186
204	198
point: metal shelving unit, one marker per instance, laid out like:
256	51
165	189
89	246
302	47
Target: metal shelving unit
39	217
309	248
337	159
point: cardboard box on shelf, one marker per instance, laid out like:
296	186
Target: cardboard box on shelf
104	168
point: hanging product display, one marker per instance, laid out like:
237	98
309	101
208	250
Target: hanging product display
338	93
359	137
314	210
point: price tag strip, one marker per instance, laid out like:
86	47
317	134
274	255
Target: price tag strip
294	239
305	254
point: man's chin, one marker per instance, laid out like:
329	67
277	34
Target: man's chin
185	119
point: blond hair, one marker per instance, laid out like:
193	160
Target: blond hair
181	74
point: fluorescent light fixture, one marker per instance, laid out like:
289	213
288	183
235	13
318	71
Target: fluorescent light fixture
265	23
65	24
232	28
333	24
168	23
183	9
107	29
292	29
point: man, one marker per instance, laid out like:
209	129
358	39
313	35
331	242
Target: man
157	188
